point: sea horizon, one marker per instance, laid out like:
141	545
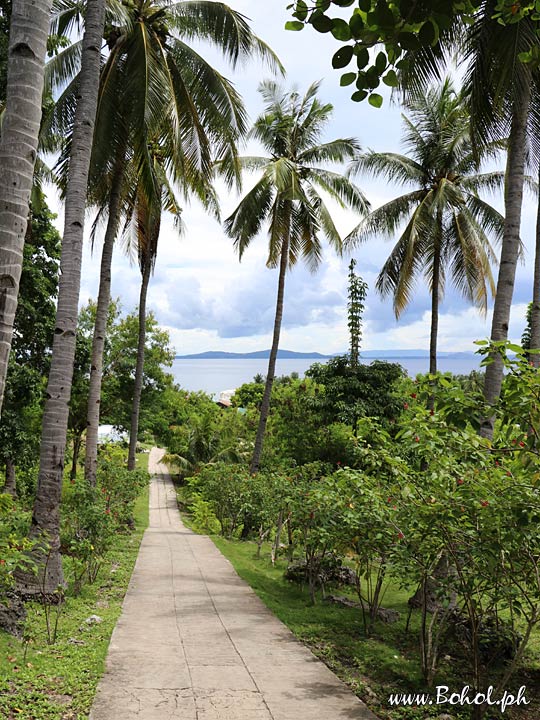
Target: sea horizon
216	375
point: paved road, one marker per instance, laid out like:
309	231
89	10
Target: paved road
194	642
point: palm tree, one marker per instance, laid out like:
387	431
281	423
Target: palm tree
498	84
45	516
288	198
189	105
446	222
29	26
500	89
145	218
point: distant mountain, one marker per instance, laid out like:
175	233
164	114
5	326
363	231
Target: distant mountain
258	355
291	355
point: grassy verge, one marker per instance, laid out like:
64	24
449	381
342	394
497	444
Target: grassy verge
42	681
387	662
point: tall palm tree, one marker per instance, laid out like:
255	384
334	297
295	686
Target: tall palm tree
446	222
500	89
145	221
183	99
287	198
498	84
45	514
29	26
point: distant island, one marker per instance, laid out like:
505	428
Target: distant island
291	355
258	355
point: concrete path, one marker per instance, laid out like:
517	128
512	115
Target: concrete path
194	642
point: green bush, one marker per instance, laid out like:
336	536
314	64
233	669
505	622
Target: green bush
14	545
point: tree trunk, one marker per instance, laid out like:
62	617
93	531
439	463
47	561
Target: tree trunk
535	310
137	389
11	485
76	450
46	512
100	327
436	284
513	196
265	404
29	28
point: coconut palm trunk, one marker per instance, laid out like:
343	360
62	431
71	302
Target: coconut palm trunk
513	197
46	512
139	370
29	27
271	373
435	293
535	310
100	327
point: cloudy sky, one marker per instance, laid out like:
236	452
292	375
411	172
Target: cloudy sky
208	300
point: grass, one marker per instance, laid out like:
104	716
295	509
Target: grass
387	662
41	681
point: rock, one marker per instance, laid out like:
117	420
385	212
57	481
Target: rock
104	604
384	614
387	615
93	620
12	614
74	641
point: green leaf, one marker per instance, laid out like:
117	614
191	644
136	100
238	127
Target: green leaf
301	11
356	25
359	95
375	100
391	79
342	57
341	30
428	34
408	41
321	23
323	4
364	5
294	25
381	62
347	79
362	58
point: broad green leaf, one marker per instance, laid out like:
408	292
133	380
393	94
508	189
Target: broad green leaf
342	57
294	25
375	100
391	79
347	79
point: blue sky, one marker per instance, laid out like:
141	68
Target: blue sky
208	300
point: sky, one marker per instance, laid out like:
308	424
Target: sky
208	300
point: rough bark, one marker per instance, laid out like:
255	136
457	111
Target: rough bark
46	512
29	27
100	329
513	197
535	310
265	404
435	291
10	486
137	389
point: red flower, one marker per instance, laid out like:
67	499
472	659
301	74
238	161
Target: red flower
460	481
484	503
521	443
413	395
400	535
406	406
416	438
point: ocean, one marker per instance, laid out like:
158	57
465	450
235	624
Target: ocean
214	376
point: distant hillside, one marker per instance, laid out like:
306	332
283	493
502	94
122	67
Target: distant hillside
258	355
291	355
